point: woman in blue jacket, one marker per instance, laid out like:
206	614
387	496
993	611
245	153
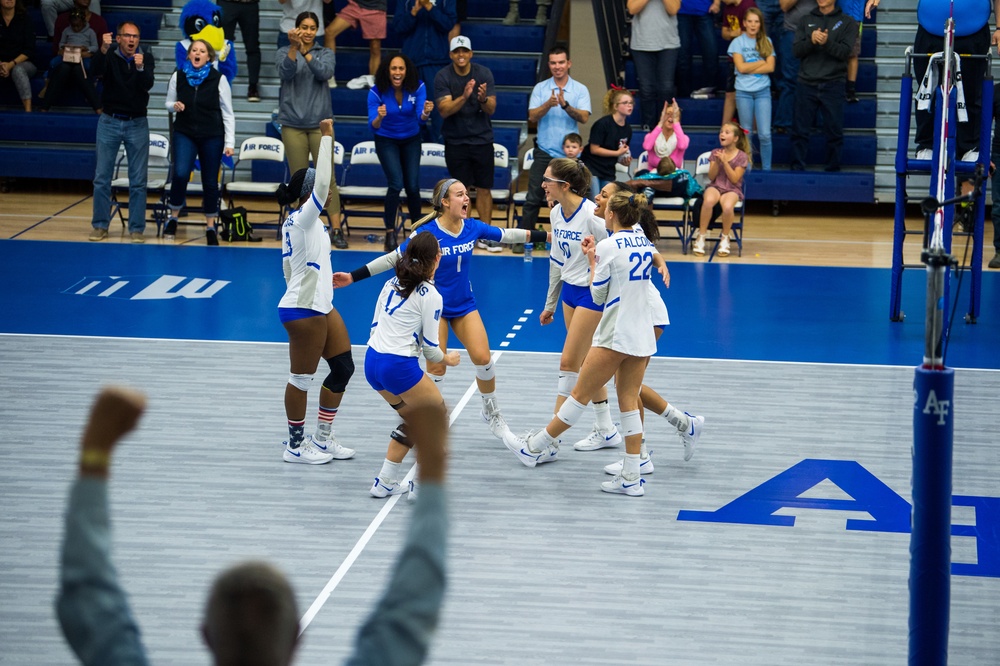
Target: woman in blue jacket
397	107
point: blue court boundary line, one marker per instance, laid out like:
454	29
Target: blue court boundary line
56	214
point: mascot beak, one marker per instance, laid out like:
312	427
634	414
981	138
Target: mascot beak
213	35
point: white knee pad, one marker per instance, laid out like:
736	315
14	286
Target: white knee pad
631	424
301	382
567	380
485	373
571	411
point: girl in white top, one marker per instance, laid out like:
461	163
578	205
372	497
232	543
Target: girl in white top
315	329
621	267
688	426
566	182
406	324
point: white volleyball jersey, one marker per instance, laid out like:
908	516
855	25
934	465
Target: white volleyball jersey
404	326
657	308
305	259
567	234
621	282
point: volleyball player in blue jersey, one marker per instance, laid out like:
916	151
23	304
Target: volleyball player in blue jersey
405	325
315	329
457	235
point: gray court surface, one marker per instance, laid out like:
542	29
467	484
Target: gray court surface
544	568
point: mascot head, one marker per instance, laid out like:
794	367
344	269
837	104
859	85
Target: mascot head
201	19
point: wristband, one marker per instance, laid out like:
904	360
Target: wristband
565	105
94	459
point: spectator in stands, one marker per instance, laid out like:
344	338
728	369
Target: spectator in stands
655	45
572	145
467	99
52	8
557	105
246	14
128	78
727	165
424	25
788	62
733	12
609	141
753	58
204	127
667	139
76	46
823	43
461	13
304	67
17	45
96	23
397	107
696	20
972	35
541	13
290	10
856	10
251	616
370	16
994	178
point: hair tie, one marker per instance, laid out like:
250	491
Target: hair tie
444	190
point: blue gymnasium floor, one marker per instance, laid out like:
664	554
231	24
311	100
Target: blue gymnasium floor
718	311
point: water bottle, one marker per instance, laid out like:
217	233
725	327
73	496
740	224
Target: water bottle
548	245
372	238
274	121
528	247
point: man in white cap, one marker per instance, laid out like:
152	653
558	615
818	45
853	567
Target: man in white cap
466	98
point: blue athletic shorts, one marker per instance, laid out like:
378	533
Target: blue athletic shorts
579	297
392	373
291	314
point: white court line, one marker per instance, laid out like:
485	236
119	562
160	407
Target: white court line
345	566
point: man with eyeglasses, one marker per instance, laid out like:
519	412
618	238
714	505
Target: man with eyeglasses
128	77
558	105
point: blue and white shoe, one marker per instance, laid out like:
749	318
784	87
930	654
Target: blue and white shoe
645	466
333	447
691	435
306	454
622	486
385	487
528	457
599	439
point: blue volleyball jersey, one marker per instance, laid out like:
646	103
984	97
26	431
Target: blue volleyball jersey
453	276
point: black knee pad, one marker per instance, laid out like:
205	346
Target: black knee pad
399	435
341	369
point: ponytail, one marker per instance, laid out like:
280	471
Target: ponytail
417	263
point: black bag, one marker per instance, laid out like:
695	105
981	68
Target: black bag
236	226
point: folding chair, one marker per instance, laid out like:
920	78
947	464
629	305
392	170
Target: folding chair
678	208
264	149
433	168
159	158
701	174
518	198
364	183
503	181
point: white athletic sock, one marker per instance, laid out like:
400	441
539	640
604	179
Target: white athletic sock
540	440
643	451
390	471
630	467
602	410
677	418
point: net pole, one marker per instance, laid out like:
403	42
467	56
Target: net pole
933	387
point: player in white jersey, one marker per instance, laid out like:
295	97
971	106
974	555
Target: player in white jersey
457	235
688	426
621	267
404	326
566	184
315	329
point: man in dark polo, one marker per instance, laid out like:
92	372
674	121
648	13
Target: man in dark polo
466	98
128	77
